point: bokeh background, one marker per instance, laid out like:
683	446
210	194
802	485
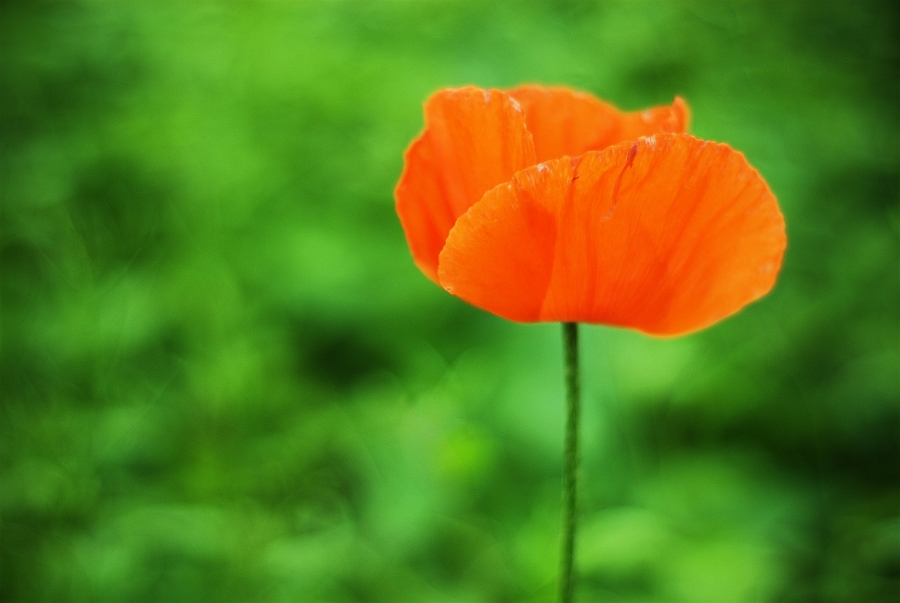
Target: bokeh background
223	379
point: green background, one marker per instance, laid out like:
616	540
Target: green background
223	379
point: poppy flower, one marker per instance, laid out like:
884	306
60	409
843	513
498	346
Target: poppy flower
545	204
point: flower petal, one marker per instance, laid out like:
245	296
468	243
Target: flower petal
665	235
566	122
473	140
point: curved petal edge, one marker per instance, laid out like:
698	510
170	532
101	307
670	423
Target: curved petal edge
567	122
473	140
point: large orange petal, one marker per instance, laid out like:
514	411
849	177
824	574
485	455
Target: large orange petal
566	122
666	235
473	140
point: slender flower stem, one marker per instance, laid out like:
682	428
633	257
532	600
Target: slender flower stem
570	470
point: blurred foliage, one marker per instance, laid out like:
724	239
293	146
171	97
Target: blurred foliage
224	380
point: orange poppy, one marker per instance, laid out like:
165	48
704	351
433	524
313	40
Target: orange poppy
545	204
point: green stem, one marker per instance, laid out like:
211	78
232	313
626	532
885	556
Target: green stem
570	470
